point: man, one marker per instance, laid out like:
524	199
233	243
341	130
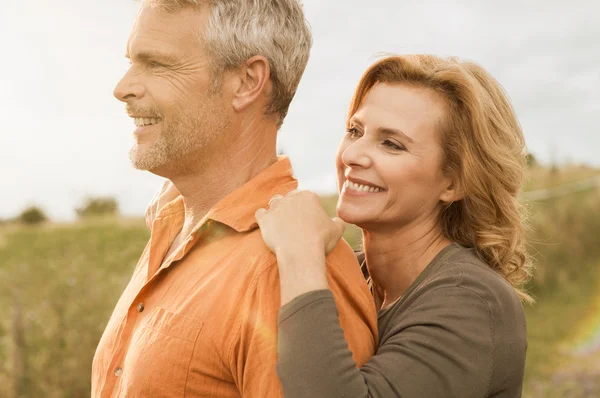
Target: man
208	88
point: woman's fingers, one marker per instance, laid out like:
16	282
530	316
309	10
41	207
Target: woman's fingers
274	201
336	233
298	217
341	226
259	214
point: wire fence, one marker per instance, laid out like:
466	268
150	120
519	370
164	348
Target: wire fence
563	190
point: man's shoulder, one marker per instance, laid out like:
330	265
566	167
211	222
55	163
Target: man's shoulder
341	262
346	278
343	259
253	255
257	265
237	259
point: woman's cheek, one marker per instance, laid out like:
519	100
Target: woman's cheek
340	167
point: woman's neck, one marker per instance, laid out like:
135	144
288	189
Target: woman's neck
395	258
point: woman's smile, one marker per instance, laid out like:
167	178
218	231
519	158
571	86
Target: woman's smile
357	187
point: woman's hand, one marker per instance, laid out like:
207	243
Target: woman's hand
300	233
298	222
167	193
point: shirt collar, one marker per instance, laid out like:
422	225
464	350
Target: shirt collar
237	209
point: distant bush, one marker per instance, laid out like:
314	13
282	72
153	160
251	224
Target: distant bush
33	215
531	160
98	206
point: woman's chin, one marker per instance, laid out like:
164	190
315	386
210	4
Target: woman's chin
350	215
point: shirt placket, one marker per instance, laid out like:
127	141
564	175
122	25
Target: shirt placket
137	306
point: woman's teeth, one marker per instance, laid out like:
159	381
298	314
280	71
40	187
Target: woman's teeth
361	188
145	121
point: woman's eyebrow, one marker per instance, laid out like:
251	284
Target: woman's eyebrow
383	130
394	131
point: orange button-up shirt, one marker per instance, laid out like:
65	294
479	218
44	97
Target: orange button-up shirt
203	322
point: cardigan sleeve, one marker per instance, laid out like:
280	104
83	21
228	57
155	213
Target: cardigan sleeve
441	345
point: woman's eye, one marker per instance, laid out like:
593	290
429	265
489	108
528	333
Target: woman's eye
392	145
353	132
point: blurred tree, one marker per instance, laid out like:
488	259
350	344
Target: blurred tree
32	215
98	206
531	160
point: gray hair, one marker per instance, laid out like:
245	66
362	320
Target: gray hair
240	29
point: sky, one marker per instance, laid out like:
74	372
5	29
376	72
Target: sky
64	137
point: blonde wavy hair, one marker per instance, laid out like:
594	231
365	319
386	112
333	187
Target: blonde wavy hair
483	148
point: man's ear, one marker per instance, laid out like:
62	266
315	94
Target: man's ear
453	191
252	83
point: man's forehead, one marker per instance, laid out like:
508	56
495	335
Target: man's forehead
158	28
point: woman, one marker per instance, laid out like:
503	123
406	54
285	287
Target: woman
430	169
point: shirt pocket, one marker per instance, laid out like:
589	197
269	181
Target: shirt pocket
158	361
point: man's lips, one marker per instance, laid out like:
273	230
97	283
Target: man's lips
145	121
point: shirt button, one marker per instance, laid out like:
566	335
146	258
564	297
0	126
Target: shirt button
140	307
118	372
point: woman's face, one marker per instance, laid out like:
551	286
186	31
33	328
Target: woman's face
389	162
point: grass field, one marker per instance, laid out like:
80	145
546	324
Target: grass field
59	284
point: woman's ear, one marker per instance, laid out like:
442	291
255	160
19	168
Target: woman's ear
452	192
252	83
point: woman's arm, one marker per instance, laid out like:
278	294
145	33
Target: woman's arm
300	233
442	345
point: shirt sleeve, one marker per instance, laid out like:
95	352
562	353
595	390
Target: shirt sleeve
440	346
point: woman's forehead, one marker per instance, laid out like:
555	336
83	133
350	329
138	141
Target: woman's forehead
409	108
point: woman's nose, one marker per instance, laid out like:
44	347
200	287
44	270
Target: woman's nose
357	154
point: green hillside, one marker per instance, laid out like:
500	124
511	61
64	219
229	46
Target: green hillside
59	284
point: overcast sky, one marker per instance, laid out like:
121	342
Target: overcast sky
64	136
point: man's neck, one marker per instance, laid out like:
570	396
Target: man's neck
233	163
396	257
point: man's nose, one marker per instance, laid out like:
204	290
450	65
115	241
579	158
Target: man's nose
128	88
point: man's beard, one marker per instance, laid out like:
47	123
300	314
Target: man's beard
183	139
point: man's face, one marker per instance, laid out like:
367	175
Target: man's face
170	93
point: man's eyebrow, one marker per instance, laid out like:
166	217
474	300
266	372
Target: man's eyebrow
146	56
384	130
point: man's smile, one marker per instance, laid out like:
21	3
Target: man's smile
145	121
